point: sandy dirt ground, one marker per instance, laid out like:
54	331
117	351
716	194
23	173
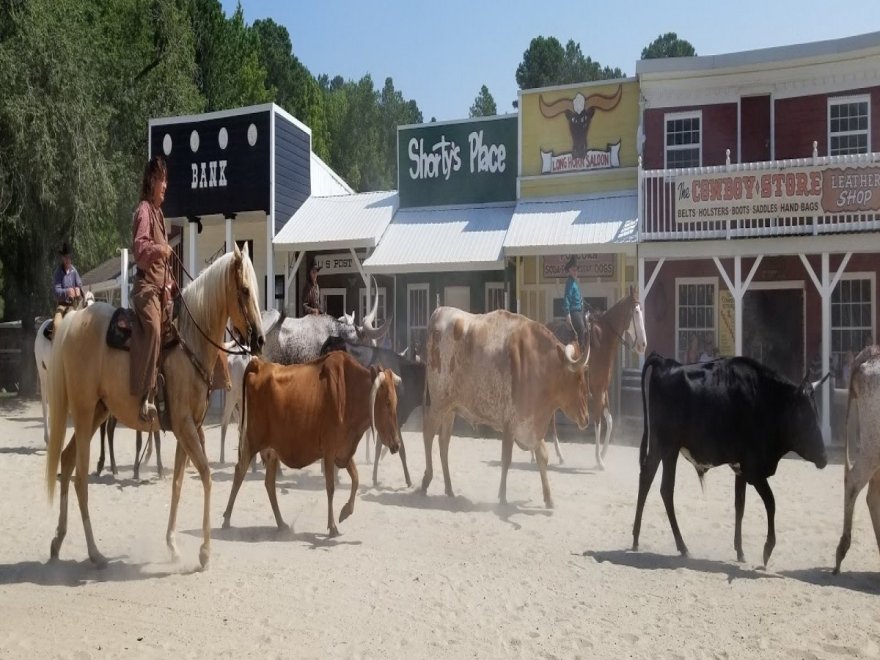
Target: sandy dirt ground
416	576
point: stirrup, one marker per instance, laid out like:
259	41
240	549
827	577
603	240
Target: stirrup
148	412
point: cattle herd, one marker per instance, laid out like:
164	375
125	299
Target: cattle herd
321	384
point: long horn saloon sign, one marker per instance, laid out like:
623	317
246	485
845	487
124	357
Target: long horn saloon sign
579	112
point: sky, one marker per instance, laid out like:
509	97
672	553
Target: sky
441	53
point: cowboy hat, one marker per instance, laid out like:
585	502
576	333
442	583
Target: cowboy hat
65	249
314	265
572	261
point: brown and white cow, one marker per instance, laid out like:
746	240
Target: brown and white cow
318	410
502	370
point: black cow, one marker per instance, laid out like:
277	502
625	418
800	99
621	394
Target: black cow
732	411
410	393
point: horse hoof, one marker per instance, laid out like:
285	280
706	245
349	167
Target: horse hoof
55	548
836	571
99	560
449	492
225	523
345	513
548	504
408	483
333	533
204	556
740	557
635	547
283	528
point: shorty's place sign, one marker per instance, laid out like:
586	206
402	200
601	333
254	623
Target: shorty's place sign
794	192
588	265
457	163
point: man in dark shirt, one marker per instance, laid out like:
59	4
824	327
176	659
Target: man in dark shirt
67	285
311	294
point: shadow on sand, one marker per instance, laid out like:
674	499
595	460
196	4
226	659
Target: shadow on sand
551	467
458	504
107	479
863	581
653	561
69	573
24	451
265	534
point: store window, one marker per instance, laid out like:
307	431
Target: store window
696	305
849	125
852	323
494	296
417	314
683	140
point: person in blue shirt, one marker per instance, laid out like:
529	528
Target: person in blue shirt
67	285
573	303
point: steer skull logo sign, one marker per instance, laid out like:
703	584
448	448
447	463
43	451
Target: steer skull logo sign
579	112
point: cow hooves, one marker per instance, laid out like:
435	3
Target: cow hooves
333	533
204	556
345	513
836	570
283	528
740	557
225	524
99	560
449	492
635	547
55	548
408	483
548	504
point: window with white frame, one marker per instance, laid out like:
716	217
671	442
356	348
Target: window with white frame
852	322
696	329
849	125
494	296
684	139
418	312
381	310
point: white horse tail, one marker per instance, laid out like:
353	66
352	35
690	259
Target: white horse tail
57	407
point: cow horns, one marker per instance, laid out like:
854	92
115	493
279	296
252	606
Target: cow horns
597	101
580	363
367	331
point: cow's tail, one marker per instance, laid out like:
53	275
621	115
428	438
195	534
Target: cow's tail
647	371
242	420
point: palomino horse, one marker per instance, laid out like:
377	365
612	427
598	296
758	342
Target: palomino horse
43	358
90	381
625	323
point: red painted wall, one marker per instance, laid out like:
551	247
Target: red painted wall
718	134
803	119
755	122
660	312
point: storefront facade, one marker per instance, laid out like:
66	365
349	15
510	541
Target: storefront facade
759	208
457	186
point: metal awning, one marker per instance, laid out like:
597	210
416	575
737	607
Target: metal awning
434	239
338	222
606	222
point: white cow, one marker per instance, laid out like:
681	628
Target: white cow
864	449
43	357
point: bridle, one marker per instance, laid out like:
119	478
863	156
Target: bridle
621	334
242	348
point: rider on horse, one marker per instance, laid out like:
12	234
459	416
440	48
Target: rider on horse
67	285
154	284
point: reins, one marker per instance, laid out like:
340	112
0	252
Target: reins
243	350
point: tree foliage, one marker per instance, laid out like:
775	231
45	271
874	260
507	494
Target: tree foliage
484	104
668	45
545	62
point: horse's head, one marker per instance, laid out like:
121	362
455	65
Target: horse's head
243	306
636	331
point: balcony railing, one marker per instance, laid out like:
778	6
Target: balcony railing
801	196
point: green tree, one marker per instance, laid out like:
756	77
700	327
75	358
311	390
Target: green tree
228	57
547	63
668	45
484	104
296	90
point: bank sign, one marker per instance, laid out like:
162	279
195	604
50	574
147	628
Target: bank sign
217	165
467	162
797	191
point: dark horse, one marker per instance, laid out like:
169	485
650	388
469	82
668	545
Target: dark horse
623	323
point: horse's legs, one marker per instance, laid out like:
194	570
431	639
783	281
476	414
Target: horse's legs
609	427
348	508
100	467
176	484
191	438
159	468
138	443
599	462
111	431
68	460
83	434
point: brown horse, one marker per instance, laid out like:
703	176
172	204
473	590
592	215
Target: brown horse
623	323
90	381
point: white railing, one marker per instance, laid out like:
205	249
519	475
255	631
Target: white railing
658	205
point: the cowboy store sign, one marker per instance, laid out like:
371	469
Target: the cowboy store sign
794	192
588	265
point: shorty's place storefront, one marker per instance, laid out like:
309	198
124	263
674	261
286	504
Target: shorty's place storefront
457	186
577	194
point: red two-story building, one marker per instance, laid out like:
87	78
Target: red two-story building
759	200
